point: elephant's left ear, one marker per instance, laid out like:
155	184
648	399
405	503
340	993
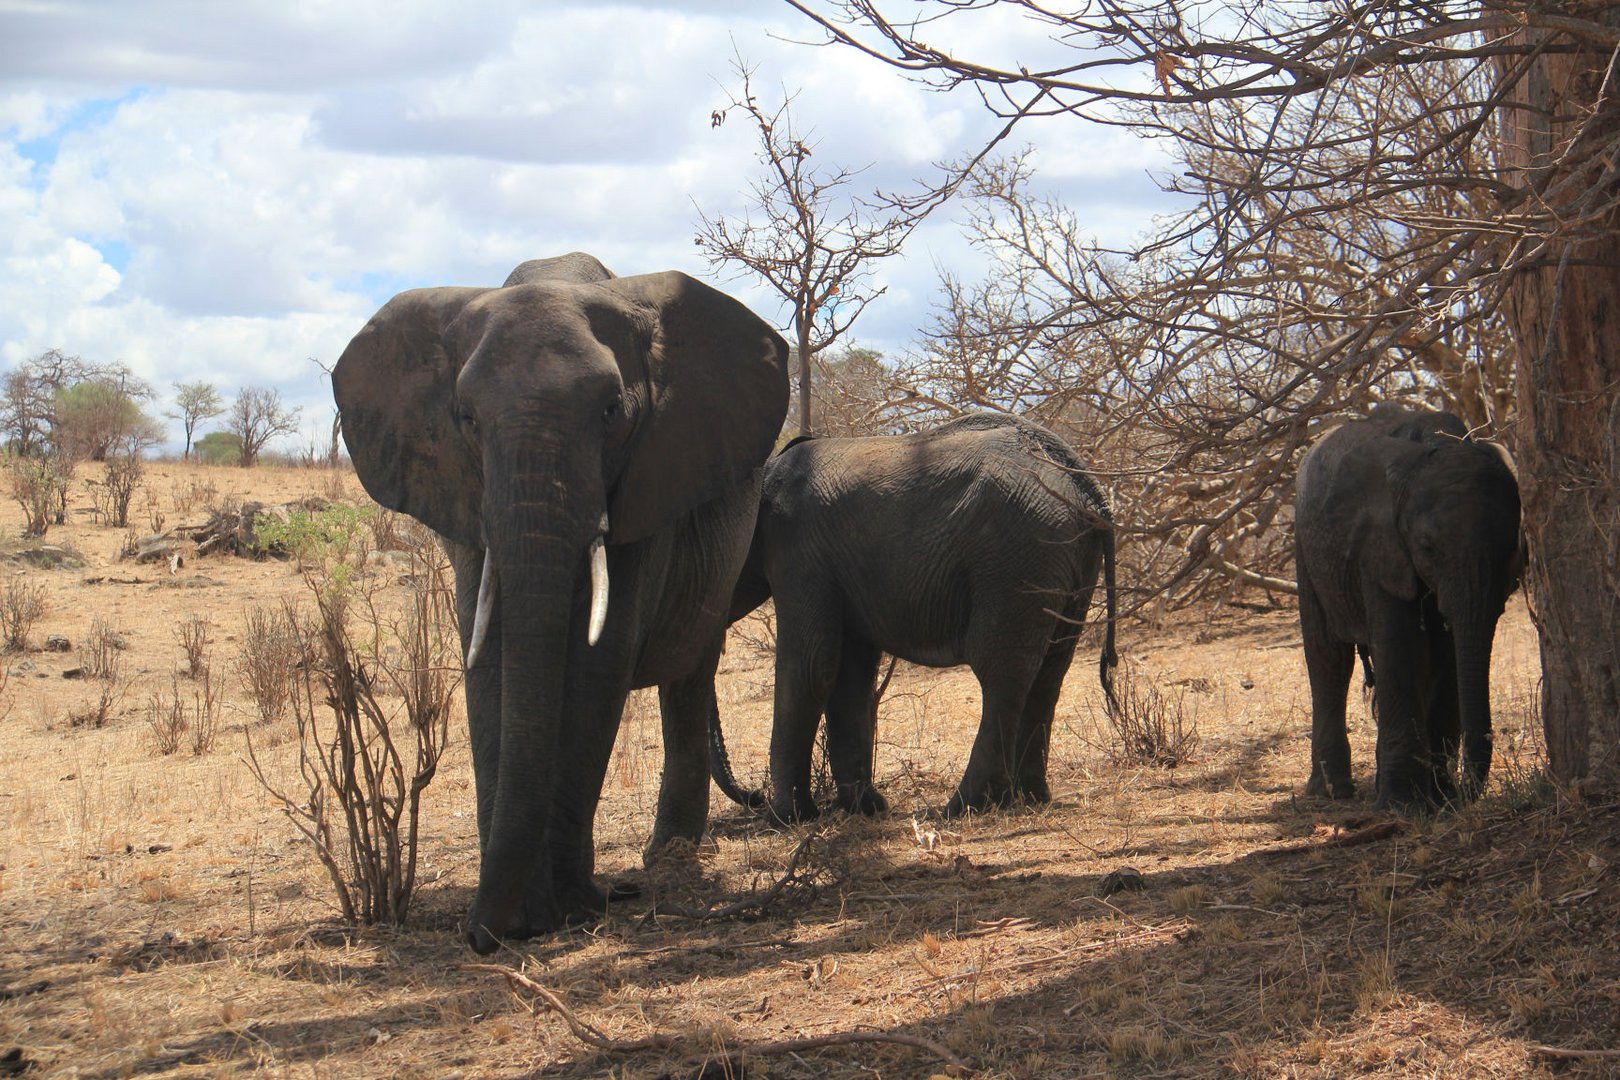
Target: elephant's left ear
717	379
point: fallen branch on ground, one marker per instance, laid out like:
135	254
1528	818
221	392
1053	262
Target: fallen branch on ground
592	1036
1381	830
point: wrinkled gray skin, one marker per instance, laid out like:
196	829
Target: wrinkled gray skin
978	542
1406	545
524	424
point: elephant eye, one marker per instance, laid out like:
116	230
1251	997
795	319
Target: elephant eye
614	410
469	423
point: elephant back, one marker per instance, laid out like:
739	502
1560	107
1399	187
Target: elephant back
1040	443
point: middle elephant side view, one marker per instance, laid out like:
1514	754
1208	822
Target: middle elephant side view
977	542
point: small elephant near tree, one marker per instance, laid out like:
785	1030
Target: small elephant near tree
977	542
1407	546
568	432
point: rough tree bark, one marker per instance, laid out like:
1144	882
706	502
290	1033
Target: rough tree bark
1565	313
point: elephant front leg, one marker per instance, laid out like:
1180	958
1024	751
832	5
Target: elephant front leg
1443	724
1405	776
852	728
598	687
683	793
1328	665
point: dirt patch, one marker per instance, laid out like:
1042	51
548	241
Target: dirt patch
160	916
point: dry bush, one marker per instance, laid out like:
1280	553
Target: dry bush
177	722
98	711
155	518
349	757
274	644
33	487
1150	727
21	606
101	655
390	532
193	635
193	494
166	716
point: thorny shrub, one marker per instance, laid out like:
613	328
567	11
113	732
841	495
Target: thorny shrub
329	540
193	635
1150	727
34	483
21	606
177	722
273	646
101	655
385	675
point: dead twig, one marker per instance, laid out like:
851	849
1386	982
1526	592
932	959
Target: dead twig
1369	834
592	1036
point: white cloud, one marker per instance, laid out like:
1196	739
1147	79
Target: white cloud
222	192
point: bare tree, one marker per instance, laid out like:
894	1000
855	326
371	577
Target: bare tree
256	417
1455	161
195	402
813	241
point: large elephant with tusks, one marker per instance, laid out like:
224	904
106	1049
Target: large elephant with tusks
589	447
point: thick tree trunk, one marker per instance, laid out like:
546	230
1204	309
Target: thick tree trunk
1565	313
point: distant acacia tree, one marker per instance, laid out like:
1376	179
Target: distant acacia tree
219	448
95	419
256	417
56	403
195	402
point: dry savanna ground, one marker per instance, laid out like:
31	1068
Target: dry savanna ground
161	916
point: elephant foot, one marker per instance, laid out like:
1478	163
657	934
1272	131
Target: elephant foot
793	810
863	799
977	801
580	904
1321	786
1033	792
1406	800
1444	791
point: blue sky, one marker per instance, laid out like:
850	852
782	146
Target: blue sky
222	192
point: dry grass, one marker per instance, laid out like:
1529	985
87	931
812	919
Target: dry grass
162	918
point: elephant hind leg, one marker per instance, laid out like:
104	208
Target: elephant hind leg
851	729
989	779
1033	740
683	792
807	658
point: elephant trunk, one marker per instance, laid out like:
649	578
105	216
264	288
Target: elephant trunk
1473	643
539	550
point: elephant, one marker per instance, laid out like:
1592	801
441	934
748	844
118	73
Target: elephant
590	449
1406	548
979	542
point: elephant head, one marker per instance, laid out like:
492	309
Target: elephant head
1456	517
537	422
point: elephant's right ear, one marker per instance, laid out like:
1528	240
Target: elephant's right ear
395	390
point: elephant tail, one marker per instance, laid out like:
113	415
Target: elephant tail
1109	660
1368	679
720	764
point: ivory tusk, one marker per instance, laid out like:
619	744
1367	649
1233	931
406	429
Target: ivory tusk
599	590
486	602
